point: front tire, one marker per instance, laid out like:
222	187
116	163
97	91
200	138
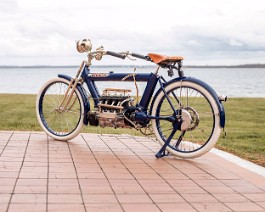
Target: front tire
200	125
58	122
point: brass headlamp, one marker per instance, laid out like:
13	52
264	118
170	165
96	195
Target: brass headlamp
83	45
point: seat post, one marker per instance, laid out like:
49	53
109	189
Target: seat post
180	71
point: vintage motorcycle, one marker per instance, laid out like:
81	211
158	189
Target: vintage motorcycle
185	114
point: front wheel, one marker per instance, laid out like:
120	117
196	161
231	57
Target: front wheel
195	128
60	116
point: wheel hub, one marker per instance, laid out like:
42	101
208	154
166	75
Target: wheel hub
191	118
186	120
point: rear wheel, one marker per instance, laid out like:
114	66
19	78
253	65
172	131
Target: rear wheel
59	121
196	128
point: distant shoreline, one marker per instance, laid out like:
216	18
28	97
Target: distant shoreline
139	66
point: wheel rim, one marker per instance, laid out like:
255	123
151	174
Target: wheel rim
59	121
195	107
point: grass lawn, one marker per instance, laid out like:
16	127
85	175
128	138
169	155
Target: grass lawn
245	124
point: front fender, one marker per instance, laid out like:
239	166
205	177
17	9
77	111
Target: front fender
83	95
204	85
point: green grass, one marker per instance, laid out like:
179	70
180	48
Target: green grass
245	124
17	112
245	127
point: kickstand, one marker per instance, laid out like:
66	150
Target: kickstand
162	153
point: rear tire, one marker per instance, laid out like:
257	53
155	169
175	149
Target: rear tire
200	128
60	124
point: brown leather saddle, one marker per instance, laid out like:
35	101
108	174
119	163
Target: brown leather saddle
164	60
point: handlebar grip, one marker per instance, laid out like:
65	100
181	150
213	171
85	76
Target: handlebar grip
139	56
114	54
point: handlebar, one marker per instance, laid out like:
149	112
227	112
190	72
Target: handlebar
123	55
114	54
86	46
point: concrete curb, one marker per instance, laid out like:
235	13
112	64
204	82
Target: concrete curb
240	162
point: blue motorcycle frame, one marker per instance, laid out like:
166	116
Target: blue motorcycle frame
151	79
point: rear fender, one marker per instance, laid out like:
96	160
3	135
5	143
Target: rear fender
83	95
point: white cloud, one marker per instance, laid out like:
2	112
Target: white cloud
234	42
203	31
8	6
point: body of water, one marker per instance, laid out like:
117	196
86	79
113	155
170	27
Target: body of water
233	82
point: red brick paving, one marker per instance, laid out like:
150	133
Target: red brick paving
117	173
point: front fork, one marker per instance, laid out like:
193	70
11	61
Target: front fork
68	96
70	90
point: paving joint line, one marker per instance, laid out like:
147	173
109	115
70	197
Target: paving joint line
103	171
129	170
8	140
159	175
25	152
48	173
81	193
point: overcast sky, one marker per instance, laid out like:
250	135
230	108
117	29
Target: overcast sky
204	32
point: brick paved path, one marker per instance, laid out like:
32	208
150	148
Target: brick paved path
117	173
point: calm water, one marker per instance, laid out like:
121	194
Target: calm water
231	82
